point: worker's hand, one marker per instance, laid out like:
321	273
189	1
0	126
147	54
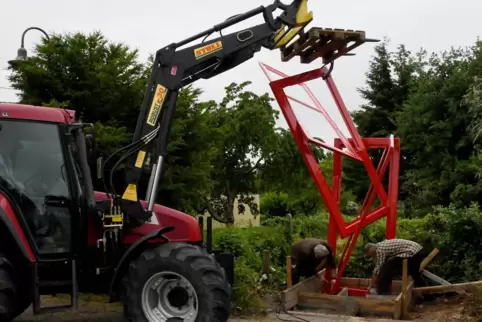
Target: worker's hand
319	275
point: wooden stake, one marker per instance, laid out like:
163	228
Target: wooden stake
428	259
404	289
289	281
266	264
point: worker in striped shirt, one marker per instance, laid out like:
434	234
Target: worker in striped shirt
388	256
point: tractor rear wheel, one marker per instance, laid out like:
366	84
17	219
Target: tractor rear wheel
176	280
7	291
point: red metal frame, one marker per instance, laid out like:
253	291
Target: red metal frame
355	148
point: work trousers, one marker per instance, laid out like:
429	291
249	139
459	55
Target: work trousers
393	266
298	271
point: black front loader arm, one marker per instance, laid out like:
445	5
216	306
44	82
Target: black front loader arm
172	69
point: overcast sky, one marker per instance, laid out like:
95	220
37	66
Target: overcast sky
151	24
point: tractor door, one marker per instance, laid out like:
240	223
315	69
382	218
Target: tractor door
34	174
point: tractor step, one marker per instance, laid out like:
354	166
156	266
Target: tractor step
326	43
54	283
37	309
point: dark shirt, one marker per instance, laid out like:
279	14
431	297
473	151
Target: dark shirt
303	253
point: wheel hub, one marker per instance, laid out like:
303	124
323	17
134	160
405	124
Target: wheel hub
169	295
178	297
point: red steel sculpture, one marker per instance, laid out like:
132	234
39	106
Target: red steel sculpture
354	147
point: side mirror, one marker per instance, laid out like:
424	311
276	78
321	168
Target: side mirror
100	167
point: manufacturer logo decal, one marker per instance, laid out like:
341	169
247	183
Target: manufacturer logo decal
156	106
208	49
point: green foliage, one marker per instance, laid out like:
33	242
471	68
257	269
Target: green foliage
456	232
243	134
295	183
191	149
101	80
110	137
274	204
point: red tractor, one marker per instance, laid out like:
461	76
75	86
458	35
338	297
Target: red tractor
58	235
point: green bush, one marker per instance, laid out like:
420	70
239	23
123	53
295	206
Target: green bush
456	232
310	226
274	204
306	203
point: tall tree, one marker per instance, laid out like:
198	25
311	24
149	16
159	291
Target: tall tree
435	127
243	134
285	171
101	80
390	78
191	150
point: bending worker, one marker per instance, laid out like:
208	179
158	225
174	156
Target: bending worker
388	256
308	257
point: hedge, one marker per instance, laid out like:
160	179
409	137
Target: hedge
456	232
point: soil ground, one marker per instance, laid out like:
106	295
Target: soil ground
95	308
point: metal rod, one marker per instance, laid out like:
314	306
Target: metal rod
151	181
32	28
155	183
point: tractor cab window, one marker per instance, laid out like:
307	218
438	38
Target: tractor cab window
33	173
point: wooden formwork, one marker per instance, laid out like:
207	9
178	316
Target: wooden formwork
307	294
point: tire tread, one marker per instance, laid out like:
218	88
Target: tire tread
210	275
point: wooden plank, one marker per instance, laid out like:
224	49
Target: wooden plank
289	297
382	297
289	269
439	289
398	308
343	292
316	317
404	288
364	282
327	43
368	305
408	300
428	259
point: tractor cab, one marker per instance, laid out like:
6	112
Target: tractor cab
39	176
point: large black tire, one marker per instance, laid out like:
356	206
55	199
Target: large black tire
206	277
7	292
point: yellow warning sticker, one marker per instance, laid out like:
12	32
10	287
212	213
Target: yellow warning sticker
140	159
208	49
156	106
117	218
130	193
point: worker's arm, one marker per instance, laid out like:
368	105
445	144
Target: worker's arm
321	265
173	69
